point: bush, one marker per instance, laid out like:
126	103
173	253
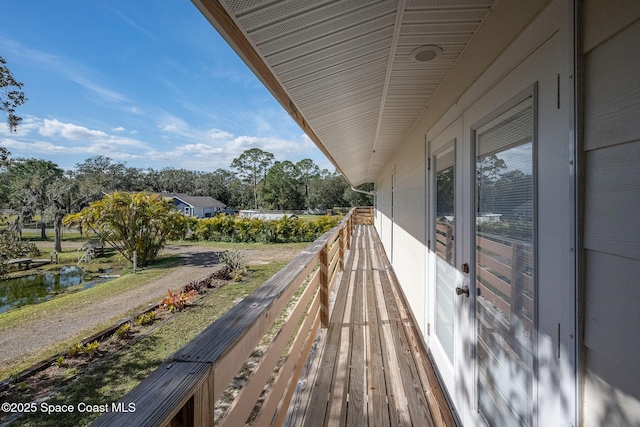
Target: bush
12	247
223	228
123	331
146	318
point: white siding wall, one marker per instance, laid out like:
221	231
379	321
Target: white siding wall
383	215
611	394
409	222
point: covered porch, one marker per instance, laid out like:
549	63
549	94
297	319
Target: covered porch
346	350
369	367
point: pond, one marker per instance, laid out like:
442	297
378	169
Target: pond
36	288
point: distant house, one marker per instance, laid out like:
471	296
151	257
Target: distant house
196	206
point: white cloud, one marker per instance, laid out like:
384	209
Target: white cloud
72	132
118	129
36	147
217	134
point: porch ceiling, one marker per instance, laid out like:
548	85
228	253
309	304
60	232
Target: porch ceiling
343	68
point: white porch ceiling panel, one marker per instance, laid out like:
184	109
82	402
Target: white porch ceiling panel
346	66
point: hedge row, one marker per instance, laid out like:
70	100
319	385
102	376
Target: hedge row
223	228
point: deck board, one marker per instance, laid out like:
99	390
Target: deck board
371	369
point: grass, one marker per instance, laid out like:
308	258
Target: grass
113	378
69	301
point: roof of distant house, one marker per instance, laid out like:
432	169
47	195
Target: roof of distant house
200	201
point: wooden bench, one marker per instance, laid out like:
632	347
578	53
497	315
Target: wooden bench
21	262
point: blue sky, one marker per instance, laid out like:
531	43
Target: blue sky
148	83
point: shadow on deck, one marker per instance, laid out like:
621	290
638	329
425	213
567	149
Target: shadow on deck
369	366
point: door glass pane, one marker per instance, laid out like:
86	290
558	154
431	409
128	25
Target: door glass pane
504	266
445	255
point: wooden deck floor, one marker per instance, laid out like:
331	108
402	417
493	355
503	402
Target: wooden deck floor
369	368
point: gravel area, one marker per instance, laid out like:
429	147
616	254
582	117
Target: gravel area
197	262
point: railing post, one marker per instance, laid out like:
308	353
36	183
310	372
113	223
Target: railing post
350	232
324	286
341	238
517	286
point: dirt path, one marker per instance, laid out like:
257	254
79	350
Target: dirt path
197	262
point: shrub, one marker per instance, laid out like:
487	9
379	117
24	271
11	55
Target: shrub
146	318
91	349
247	230
177	301
12	247
60	361
234	265
124	330
75	350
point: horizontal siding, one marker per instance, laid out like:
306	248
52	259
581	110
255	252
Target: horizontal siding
612	91
612	205
409	233
610	394
613	310
605	19
611	381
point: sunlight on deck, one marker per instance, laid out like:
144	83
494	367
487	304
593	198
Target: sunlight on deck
369	367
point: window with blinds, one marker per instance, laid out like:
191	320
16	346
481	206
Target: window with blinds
505	210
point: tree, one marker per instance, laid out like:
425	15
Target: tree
327	190
99	175
221	185
355	198
66	198
138	223
252	166
176	180
281	186
307	170
31	180
11	96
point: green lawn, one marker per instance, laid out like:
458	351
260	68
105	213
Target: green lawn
67	302
113	378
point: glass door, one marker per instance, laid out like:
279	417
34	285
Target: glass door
448	332
443	248
505	272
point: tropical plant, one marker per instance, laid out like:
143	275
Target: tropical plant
234	266
146	318
75	349
175	301
91	349
137	223
123	331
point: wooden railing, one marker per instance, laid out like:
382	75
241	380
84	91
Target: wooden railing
184	390
504	278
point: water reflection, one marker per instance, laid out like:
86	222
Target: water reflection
37	288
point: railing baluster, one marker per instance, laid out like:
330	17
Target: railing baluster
183	391
341	237
324	287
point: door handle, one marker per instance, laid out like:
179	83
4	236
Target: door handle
464	290
465	268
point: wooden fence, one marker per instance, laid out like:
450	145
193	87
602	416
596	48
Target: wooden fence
184	390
